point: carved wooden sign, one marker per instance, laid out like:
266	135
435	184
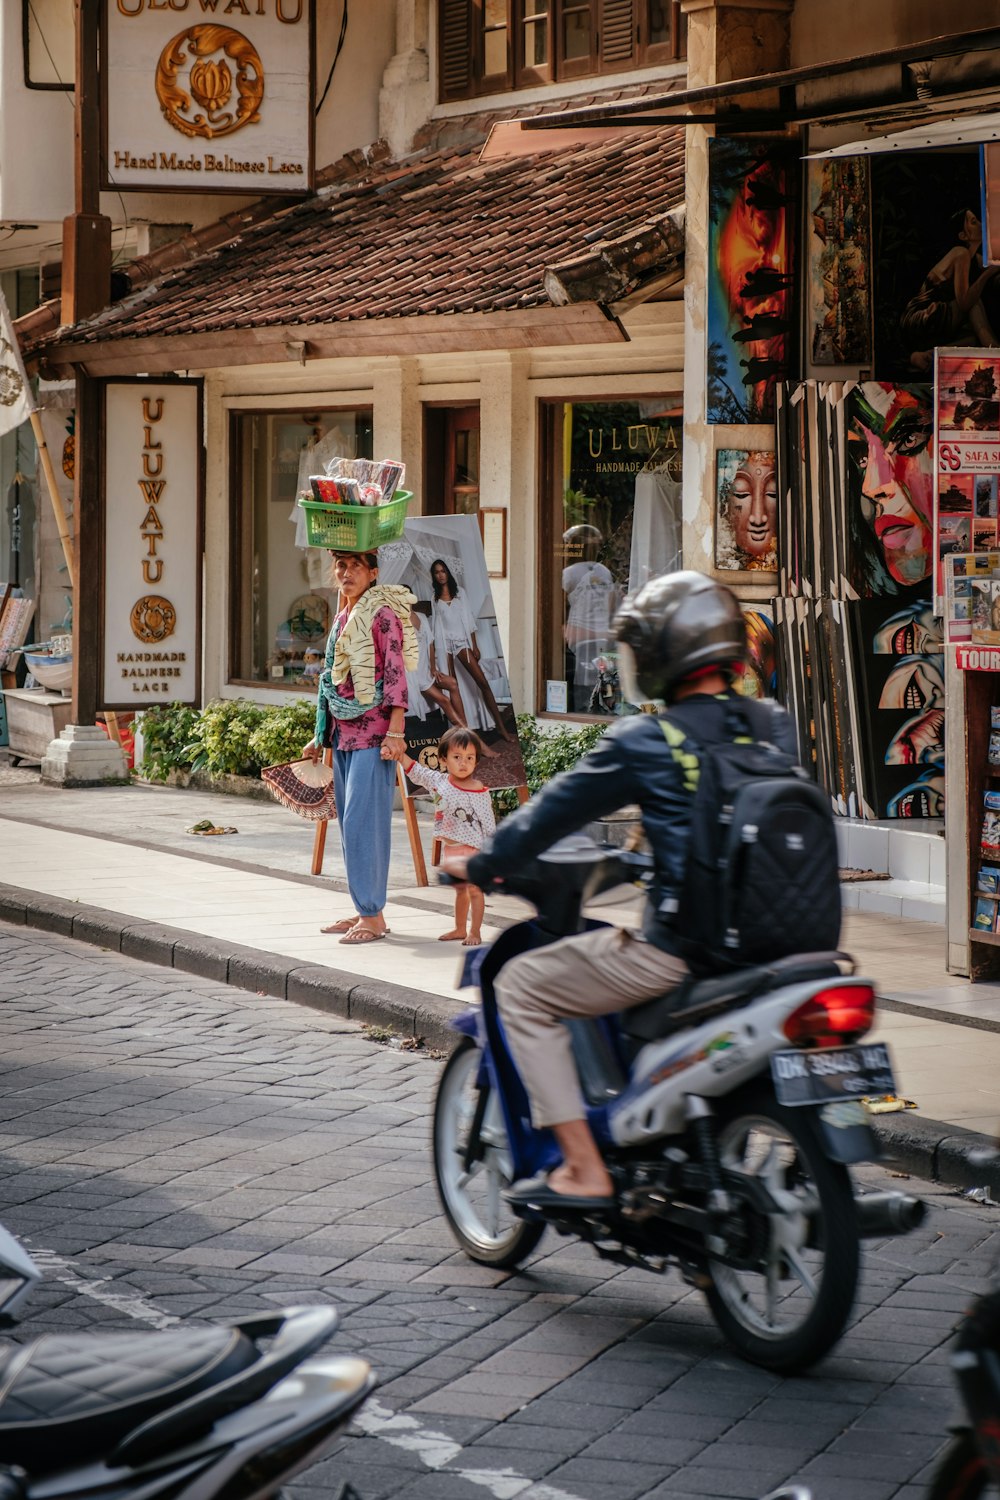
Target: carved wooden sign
214	98
152	543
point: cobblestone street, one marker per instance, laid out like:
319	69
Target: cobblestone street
173	1148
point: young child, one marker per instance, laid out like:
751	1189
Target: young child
463	819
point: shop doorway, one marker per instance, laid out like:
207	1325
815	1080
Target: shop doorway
451	460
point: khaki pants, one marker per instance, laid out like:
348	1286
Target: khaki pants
595	974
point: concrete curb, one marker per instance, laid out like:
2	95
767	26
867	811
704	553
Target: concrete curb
406	1012
928	1148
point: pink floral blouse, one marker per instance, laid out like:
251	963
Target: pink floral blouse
368	730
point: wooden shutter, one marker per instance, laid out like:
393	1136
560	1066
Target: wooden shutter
455	56
617	35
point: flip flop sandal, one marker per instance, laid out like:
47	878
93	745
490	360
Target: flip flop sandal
358	936
344	925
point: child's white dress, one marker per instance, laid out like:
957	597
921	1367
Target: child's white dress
460	816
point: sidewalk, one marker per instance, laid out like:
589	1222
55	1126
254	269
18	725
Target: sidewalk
117	867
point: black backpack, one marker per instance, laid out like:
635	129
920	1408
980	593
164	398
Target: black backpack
762	879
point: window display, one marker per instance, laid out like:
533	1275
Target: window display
611	520
284	596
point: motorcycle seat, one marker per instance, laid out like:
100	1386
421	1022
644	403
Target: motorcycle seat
695	999
72	1398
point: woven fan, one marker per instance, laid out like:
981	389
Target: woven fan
304	786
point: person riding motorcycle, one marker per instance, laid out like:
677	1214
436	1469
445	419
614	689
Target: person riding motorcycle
681	638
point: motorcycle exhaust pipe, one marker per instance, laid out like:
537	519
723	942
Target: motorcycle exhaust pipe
888	1213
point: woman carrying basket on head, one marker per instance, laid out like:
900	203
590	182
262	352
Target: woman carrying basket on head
360	708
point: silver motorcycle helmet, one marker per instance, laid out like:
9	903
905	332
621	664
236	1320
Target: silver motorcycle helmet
674	626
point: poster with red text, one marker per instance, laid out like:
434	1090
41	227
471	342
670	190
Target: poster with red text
967	455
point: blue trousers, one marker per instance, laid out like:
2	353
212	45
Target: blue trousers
365	786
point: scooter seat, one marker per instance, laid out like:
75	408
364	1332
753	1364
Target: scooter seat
68	1399
695	998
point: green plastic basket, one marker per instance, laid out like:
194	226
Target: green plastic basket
355	528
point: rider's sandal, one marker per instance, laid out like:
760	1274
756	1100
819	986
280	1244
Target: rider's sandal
536	1192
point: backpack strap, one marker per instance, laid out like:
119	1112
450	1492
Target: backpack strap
684	753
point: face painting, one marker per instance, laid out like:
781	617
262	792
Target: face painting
919	742
921	799
909	632
753	505
889	446
916	683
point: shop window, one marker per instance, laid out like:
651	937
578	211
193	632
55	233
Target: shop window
611	520
284	600
489	46
48	40
451	460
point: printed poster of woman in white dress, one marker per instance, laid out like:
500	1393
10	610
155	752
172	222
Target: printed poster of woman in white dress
461	676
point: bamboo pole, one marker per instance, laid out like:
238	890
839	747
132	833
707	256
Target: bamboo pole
57	503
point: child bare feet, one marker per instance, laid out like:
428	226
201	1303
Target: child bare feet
474	940
452	936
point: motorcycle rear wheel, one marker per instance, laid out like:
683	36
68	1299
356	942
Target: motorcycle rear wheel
487	1230
790	1305
961	1473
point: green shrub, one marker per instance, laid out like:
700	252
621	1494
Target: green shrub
166	730
229	736
282	732
545	755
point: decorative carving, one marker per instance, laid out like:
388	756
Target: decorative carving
203	111
11	384
153	618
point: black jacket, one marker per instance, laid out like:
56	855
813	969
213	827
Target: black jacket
631	763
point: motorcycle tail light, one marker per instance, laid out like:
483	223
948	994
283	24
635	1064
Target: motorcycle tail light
832	1017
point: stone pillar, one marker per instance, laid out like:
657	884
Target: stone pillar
398	420
726	39
83	755
404	100
507	481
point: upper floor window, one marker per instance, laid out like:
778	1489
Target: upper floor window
489	46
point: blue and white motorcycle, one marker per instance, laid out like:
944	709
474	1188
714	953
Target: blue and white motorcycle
727	1114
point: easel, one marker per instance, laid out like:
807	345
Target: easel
413	831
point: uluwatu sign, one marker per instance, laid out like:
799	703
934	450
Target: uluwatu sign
208	95
152	543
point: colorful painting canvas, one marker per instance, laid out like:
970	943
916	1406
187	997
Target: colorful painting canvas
746	510
839	261
890	488
750	298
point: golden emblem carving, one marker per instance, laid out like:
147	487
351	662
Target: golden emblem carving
11	384
153	619
202	107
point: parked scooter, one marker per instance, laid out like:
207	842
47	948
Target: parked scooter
969	1468
727	1114
189	1413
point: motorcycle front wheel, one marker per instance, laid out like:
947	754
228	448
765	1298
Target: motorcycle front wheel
487	1230
961	1473
783	1301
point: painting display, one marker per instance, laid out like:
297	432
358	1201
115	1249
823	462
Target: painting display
890	469
930	286
967	448
746	510
750	297
461	676
839	261
859	650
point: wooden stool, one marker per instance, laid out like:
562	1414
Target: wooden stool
436	845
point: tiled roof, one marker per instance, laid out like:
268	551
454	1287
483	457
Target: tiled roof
437	233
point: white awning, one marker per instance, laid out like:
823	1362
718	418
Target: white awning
961	130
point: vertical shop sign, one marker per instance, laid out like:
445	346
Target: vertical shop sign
211	100
152	543
967	455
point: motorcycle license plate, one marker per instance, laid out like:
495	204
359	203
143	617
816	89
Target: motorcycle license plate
825	1074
